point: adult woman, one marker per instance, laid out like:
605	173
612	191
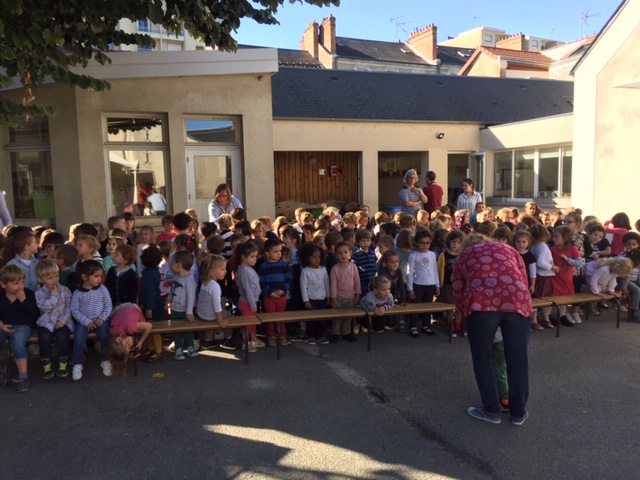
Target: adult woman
618	226
491	290
157	202
411	196
469	197
223	202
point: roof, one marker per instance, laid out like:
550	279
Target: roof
394	52
300	93
297	58
514	56
454	55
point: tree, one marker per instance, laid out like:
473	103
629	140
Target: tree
43	39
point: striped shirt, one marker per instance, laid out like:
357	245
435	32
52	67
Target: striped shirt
54	307
87	305
274	276
366	263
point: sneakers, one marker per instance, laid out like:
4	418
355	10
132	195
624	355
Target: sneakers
390	326
196	344
402	327
252	347
283	341
576	317
311	341
106	368
454	335
334	338
356	328
520	420
428	331
594	313
272	341
480	414
209	345
192	352
63	367
413	331
258	343
76	374
322	341
567	321
362	329
47	369
504	405
603	304
179	354
536	326
546	323
22	386
228	344
172	347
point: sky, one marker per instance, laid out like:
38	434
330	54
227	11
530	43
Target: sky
376	19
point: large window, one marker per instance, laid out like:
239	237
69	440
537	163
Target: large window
31	172
137	155
533	173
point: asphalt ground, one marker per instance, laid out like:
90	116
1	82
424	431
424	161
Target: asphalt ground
335	412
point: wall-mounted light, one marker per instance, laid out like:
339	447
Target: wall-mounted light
440	136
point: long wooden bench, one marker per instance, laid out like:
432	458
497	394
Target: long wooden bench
578	298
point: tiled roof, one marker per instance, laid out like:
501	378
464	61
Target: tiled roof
375	50
297	58
300	93
516	55
454	55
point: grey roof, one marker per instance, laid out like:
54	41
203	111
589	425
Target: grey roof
304	93
376	50
297	58
454	55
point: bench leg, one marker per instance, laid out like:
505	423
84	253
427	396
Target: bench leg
368	332
277	339
245	334
618	312
557	307
450	324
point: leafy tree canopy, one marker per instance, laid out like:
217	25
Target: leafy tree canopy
45	38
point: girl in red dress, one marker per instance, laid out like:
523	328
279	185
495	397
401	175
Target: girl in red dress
566	257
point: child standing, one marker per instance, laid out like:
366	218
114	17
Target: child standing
345	291
54	302
573	220
18	315
365	259
151	299
210	300
423	282
445	272
113	242
315	288
168	233
275	282
544	269
245	257
182	301
88	247
126	320
122	281
379	301
566	257
25	246
522	244
90	307
391	269
146	237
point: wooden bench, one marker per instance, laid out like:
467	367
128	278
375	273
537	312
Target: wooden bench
578	298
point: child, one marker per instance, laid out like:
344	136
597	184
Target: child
391	269
90	307
210	301
122	281
113	242
345	291
595	244
18	315
445	273
423	282
151	299
66	256
602	275
25	247
331	239
291	240
49	242
573	220
315	289
127	320
565	258
439	241
226	223
464	220
379	301
54	302
275	282
146	237
365	259
88	246
258	230
245	257
385	244
522	244
130	228
166	275
168	232
308	230
503	234
404	243
188	243
182	301
544	270
631	242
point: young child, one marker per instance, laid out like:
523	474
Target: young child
245	257
544	269
423	282
225	222
151	299
275	282
345	291
631	242
130	228
25	247
379	301
65	257
445	272
113	242
122	281
573	220
291	240
90	307
210	301
182	301
503	234
331	239
127	320
18	315
146	237
88	246
566	257
315	289
188	243
595	244
365	259
602	275
522	244
168	232
166	275
391	269
54	322
385	244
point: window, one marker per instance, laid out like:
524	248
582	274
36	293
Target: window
211	130
137	159
534	43
488	38
533	173
144	25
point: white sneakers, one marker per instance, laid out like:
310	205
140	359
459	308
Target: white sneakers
106	368
76	374
576	317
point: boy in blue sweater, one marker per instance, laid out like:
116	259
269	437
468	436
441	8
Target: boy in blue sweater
25	246
365	260
275	282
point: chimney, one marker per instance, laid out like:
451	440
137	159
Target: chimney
328	33
425	42
512	42
309	40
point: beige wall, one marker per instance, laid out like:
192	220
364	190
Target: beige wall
485	66
607	121
369	138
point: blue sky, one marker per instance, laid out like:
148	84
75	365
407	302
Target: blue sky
370	19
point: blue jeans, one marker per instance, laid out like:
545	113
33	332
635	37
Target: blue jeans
17	341
63	340
81	334
481	327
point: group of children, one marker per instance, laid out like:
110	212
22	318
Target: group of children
117	285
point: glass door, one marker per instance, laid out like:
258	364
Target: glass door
477	172
206	169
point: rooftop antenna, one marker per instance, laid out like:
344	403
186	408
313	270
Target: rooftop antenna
474	21
586	14
399	25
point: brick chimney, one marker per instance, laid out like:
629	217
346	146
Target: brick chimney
512	42
328	33
309	40
425	42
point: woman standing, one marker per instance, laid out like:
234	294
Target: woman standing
223	202
469	198
411	196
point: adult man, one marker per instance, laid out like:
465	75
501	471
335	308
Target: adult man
491	290
434	193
